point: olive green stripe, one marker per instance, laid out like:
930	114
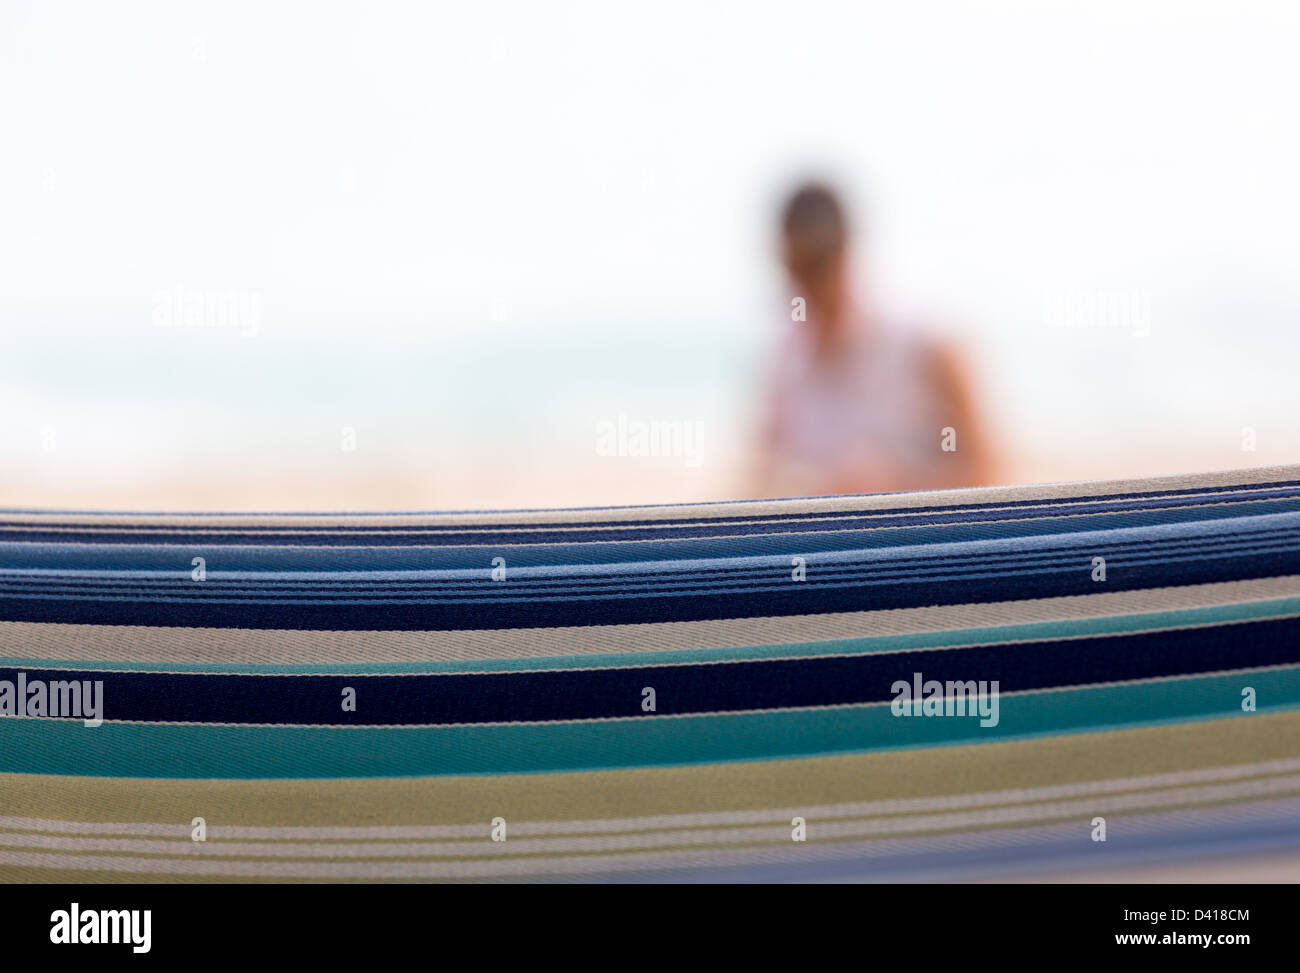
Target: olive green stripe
688	789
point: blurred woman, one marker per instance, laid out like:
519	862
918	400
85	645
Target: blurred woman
857	403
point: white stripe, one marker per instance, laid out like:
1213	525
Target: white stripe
741	509
787	852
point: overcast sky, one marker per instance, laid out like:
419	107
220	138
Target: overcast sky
615	166
384	154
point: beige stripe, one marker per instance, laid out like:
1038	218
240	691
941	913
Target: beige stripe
129	643
847	651
783	851
738	509
823	812
818	829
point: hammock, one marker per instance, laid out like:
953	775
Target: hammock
952	684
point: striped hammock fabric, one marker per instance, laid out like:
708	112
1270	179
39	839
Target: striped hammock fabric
956	684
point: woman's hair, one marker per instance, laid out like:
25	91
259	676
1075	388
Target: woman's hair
814	230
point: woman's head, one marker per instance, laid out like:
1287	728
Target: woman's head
814	247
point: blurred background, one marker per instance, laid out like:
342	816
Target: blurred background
380	256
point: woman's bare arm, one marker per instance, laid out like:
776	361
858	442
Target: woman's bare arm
974	445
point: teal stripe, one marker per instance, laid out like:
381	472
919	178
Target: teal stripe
1110	625
189	751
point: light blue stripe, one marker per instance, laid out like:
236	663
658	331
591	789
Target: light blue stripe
245	752
1050	526
837	564
583	584
682	591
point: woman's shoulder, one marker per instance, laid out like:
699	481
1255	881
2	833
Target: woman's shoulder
927	343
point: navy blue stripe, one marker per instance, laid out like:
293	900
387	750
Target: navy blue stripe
333	559
874	562
622	608
708	688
